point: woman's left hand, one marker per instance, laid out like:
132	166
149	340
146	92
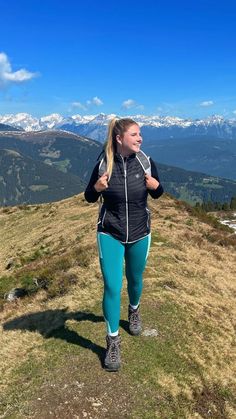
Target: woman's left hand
151	182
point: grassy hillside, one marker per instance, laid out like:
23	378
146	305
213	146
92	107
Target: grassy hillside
194	186
53	340
206	153
24	180
74	155
68	152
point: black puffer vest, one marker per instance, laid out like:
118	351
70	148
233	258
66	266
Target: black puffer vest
124	213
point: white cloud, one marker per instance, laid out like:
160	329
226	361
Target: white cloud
94	101
8	77
207	103
79	105
130	103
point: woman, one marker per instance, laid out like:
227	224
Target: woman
123	225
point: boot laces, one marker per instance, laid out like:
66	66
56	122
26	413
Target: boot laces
134	317
113	350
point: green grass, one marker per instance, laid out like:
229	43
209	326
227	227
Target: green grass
37	254
156	371
164	353
36	188
220	239
63	165
74	217
7	283
70	356
53	272
158	238
203	216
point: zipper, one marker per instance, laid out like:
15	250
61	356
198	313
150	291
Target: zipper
103	218
126	199
148	219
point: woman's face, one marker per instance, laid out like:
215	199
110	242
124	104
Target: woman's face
130	142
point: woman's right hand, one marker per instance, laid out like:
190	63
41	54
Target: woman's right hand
102	183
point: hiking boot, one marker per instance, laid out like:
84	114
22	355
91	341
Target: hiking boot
134	318
112	358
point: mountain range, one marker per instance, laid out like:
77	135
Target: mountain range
168	126
200	145
44	166
65	151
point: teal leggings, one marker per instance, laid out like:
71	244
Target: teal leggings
112	253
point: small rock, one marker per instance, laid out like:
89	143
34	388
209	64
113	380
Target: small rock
15	293
41	282
150	332
10	264
167	287
170	285
97	404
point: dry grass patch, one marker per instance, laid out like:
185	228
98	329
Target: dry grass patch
25	231
188	370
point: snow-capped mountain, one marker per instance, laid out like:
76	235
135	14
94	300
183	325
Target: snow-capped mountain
21	120
95	126
203	145
52	121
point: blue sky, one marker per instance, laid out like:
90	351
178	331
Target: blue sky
152	58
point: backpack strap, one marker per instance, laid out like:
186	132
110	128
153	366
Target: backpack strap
144	160
102	168
102	152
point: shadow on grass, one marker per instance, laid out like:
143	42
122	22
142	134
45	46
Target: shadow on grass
51	324
125	325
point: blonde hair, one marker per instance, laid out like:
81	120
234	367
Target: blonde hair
116	127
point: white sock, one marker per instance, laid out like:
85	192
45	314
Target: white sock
134	307
114	333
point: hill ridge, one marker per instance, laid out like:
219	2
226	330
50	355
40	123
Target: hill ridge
186	370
